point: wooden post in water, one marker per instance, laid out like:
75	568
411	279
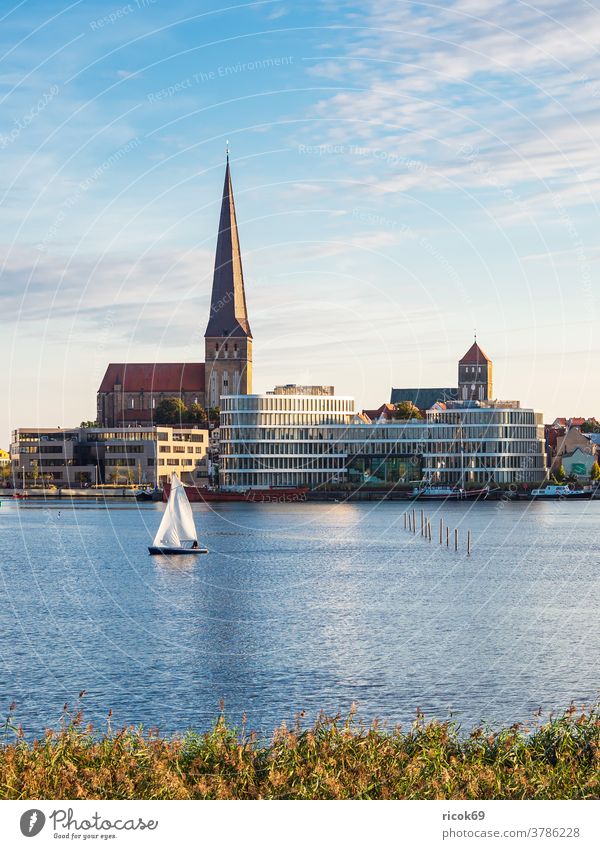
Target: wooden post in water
422	521
429	530
441	530
468	542
414	522
447	537
405	521
455	539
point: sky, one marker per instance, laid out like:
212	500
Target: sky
405	174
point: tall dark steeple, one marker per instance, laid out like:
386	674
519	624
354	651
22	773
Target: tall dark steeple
228	338
228	313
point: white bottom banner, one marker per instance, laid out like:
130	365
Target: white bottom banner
301	824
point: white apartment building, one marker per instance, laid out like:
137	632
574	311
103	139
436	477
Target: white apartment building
306	440
74	457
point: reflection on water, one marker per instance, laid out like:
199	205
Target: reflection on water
299	607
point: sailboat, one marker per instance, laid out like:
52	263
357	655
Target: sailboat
177	526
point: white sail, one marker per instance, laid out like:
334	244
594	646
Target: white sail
177	525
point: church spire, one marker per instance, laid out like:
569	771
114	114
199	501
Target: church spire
228	313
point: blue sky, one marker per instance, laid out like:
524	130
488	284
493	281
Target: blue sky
404	173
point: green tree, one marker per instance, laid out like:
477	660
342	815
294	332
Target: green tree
196	414
214	414
5	472
35	471
171	411
561	474
406	410
89	424
130	476
595	471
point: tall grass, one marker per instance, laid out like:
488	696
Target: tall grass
333	759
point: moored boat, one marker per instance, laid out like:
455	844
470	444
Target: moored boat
149	495
556	491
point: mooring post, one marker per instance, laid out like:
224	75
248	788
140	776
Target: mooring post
414	522
405	521
455	539
441	531
447	536
468	542
429	530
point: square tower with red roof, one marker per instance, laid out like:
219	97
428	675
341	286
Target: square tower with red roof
475	375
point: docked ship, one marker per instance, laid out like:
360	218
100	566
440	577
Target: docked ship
270	494
555	491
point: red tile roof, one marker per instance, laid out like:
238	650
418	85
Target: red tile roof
474	356
154	377
386	410
576	422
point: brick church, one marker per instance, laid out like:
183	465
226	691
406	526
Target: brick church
130	392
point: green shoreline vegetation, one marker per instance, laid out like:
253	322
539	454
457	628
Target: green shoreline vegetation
333	759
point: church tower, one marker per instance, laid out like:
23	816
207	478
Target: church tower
475	375
228	338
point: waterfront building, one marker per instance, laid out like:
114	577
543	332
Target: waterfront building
74	457
574	450
578	463
299	440
130	392
4	457
286	440
480	443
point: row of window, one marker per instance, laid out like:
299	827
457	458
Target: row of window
289	403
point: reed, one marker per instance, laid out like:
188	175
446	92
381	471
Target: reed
335	758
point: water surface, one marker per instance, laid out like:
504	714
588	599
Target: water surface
298	608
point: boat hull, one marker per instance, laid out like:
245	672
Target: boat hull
270	495
153	549
464	495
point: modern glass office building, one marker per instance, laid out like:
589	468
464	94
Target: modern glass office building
307	440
